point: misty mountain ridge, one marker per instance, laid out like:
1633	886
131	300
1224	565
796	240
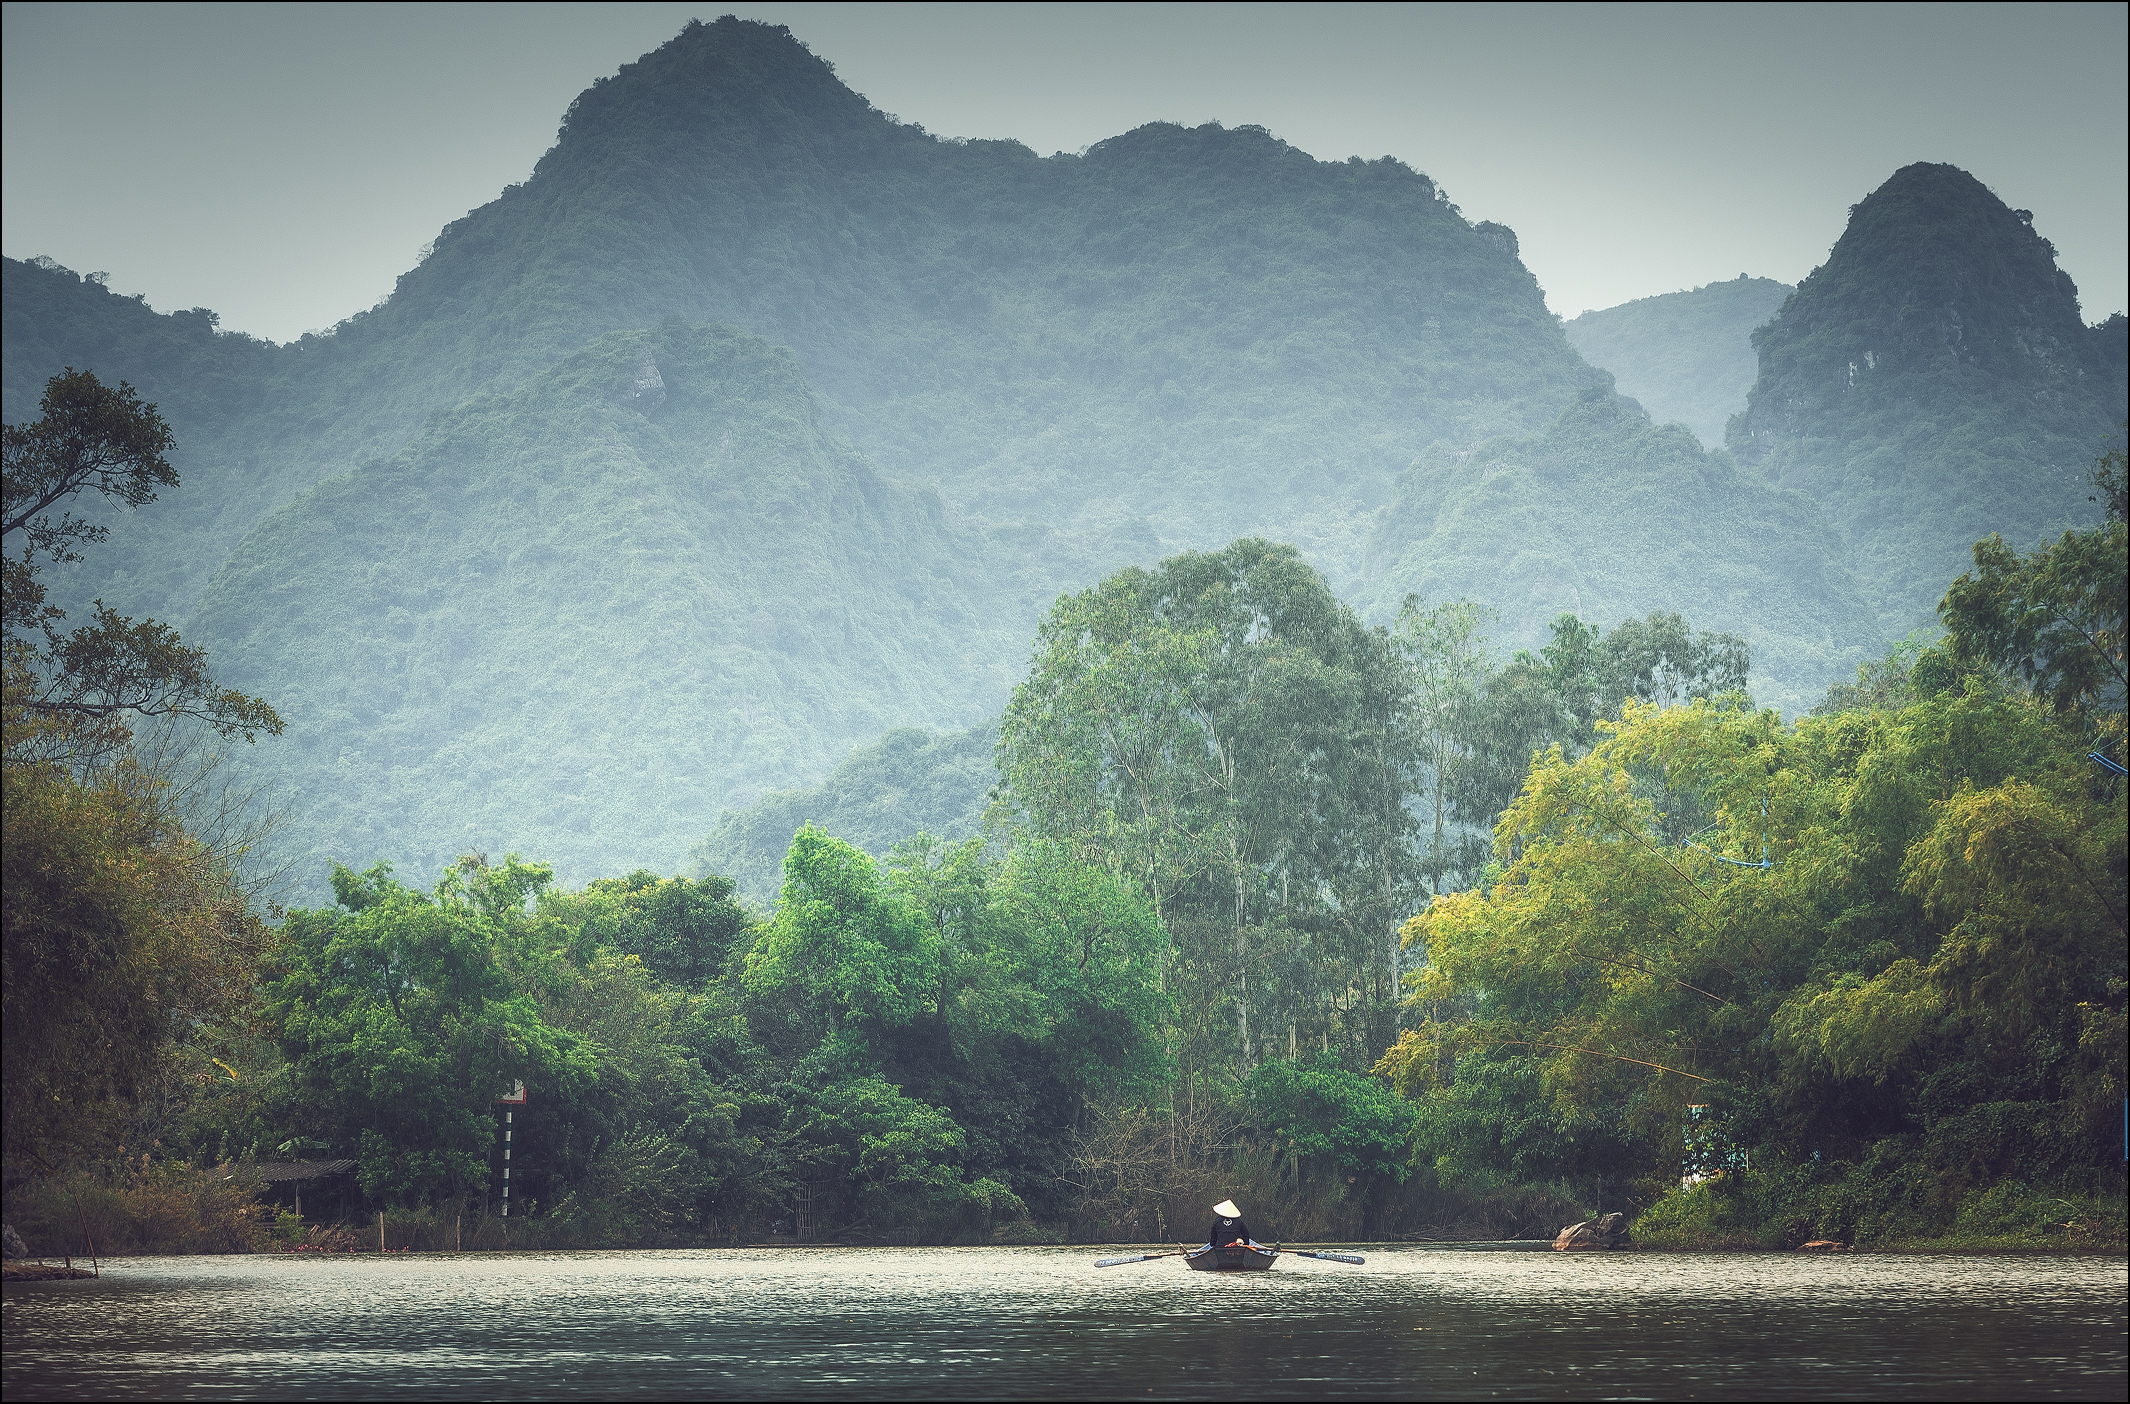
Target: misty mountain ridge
1214	330
908	781
1609	516
597	606
1686	356
1933	382
906	390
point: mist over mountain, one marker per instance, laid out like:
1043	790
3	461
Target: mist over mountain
1609	516
1934	381
594	607
1686	356
908	781
755	424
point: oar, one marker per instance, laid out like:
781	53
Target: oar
1355	1258
1133	1258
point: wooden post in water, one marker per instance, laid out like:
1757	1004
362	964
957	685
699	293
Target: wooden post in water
380	1231
94	1266
458	1233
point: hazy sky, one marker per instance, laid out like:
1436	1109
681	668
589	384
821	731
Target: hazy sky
283	165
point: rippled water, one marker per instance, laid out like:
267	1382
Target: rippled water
1415	1322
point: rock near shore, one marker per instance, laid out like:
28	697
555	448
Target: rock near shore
1605	1231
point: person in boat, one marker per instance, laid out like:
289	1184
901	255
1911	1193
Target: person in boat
1228	1226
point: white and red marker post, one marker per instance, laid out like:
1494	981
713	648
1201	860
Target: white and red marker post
510	1102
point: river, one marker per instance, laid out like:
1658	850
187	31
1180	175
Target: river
1434	1321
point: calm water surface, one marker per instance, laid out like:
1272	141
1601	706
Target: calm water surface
1473	1321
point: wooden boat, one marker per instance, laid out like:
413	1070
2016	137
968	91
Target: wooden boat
1236	1257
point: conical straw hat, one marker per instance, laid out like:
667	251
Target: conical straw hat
1227	1210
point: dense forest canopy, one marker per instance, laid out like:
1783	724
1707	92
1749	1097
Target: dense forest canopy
599	605
1227	924
1880	953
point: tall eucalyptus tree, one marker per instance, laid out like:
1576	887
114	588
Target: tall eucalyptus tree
1238	743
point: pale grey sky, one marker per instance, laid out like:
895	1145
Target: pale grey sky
283	164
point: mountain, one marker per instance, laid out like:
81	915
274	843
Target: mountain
1038	369
756	424
1609	516
908	780
1204	329
573	620
1933	382
1686	356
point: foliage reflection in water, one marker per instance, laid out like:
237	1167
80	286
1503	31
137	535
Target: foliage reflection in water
1453	1322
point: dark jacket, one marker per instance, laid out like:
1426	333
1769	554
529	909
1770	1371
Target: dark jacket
1226	1231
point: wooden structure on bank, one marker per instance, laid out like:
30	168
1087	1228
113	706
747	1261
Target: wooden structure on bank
324	1177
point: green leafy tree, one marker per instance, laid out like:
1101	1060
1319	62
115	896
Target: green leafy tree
403	1022
91	438
841	952
2056	616
863	1153
1227	735
1896	942
1320	1110
682	931
1449	657
125	931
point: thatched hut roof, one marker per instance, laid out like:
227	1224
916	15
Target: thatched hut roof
277	1171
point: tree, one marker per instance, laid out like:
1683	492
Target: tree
403	1018
841	952
1897	940
2054	617
1229	737
123	931
93	438
90	437
1449	657
1316	1108
1083	959
682	931
1663	660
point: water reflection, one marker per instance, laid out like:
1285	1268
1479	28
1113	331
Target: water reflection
1416	1322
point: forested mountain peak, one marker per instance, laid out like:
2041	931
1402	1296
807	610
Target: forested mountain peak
1933	271
1203	328
1202	319
711	79
1932	382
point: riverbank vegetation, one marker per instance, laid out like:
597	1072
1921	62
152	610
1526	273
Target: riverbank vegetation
1369	928
1860	977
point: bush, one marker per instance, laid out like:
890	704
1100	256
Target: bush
172	1207
1883	1203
